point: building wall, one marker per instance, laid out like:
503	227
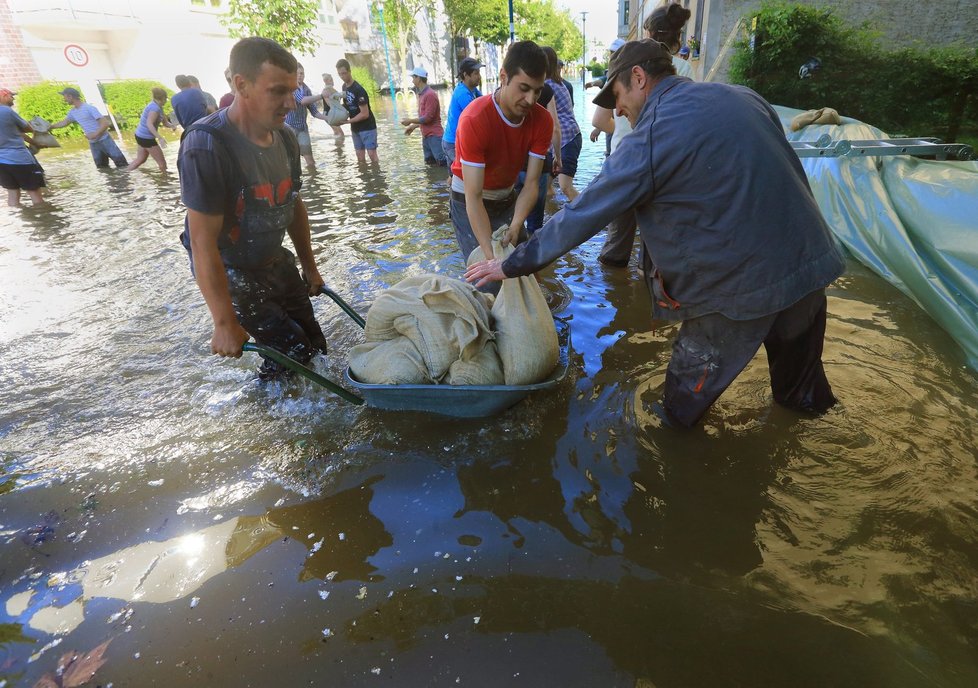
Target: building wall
17	67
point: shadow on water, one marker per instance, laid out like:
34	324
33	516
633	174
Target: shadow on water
222	532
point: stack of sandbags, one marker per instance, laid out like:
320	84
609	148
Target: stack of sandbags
525	333
428	329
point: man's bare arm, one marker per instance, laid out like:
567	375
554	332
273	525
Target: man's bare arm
213	283
474	179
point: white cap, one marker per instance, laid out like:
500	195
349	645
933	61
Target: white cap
616	44
419	71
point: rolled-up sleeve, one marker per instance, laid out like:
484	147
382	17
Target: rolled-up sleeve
624	182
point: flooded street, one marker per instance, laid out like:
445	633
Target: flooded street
219	532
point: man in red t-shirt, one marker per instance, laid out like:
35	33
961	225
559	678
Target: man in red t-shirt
429	119
497	135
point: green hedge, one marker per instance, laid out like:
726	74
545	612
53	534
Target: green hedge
43	99
362	75
127	99
915	91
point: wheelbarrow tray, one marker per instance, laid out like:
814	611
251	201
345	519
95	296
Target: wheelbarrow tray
461	401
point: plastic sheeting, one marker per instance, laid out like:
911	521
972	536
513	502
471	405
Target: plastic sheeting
912	221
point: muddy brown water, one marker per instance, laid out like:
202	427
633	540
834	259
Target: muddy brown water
222	533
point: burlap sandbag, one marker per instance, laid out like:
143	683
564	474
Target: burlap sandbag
443	333
825	115
43	139
336	112
525	333
393	362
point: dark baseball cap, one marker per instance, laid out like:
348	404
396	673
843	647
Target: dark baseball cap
73	92
469	64
627	56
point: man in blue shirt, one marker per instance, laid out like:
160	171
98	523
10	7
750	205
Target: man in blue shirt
467	90
189	104
96	128
741	252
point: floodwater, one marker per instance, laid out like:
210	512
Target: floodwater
217	532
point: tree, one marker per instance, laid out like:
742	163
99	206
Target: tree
291	23
400	17
541	22
485	20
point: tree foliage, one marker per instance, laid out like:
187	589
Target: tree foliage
291	23
914	91
535	20
542	22
399	19
485	20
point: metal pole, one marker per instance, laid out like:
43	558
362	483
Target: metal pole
387	57
512	26
584	56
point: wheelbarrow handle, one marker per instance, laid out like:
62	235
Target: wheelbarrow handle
302	370
347	308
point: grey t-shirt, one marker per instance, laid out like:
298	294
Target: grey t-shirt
210	183
12	148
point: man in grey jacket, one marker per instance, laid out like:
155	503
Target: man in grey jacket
742	254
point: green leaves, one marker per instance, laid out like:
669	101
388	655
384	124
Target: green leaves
536	20
291	23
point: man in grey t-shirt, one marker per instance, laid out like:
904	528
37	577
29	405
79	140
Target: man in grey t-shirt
96	128
239	178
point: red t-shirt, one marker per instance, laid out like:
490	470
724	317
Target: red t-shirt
485	138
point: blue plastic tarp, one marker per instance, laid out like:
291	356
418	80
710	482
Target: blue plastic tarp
913	221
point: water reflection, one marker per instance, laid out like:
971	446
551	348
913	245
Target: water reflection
595	547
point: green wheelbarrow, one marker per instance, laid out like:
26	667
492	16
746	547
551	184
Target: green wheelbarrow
459	401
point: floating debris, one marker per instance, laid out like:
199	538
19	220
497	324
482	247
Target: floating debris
327	632
323	594
155	483
194	601
316	547
362	595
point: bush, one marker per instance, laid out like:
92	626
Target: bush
44	100
912	91
363	76
129	97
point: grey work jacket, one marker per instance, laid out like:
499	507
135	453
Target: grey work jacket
722	202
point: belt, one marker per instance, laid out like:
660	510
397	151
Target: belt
498	206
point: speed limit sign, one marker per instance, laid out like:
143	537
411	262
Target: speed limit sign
76	55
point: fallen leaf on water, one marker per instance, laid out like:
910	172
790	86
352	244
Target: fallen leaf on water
46	681
75	670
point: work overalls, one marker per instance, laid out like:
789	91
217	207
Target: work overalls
270	298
